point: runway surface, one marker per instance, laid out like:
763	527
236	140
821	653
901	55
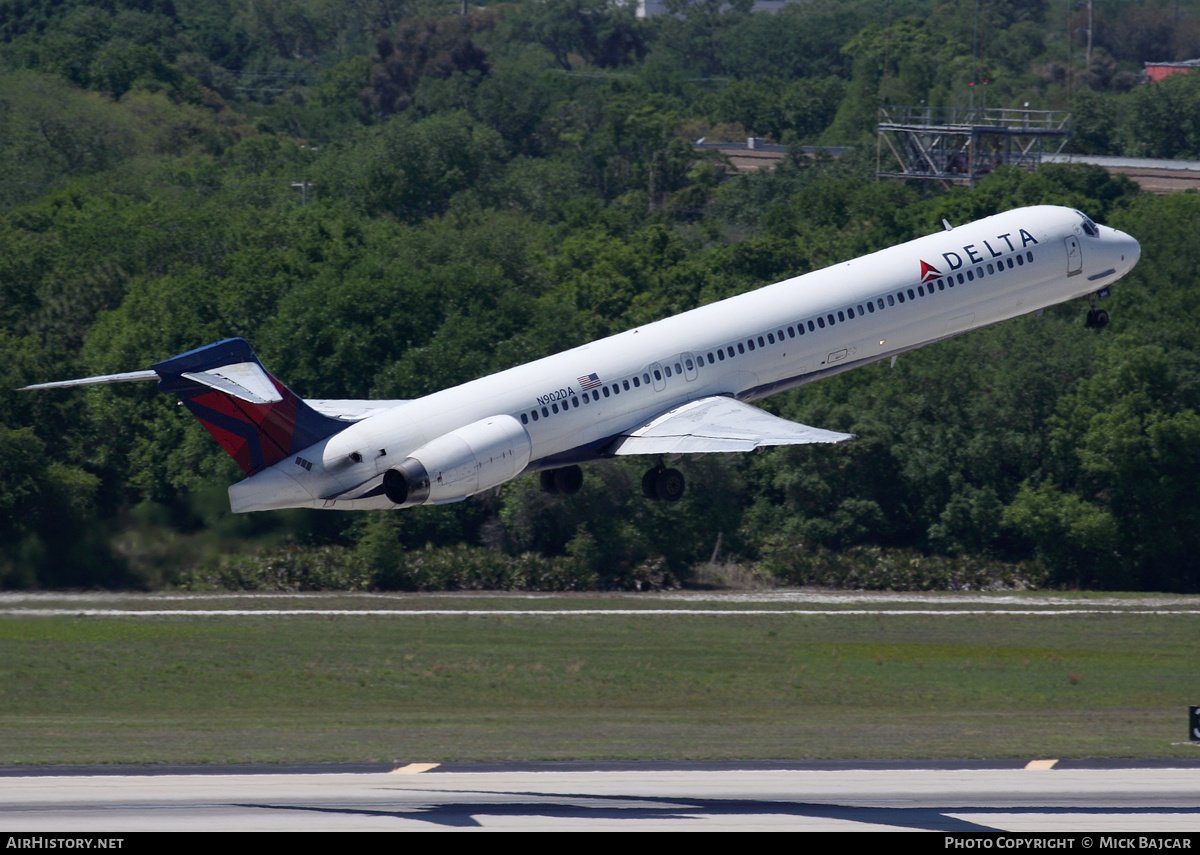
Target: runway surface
418	797
1126	796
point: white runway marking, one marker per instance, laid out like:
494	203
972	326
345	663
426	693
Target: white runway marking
216	612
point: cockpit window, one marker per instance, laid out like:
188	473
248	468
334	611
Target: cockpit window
1089	227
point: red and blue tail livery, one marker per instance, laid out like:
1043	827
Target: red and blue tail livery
253	416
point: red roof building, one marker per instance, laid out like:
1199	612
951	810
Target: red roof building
1158	70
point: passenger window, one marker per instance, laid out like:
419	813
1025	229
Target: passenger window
535	415
750	342
636	382
595	395
891	300
1020	261
850	313
900	295
960	279
821	323
970	276
689	365
575	403
678	368
920	290
657	374
721	355
554	408
731	351
810	326
841	316
741	347
871	308
616	389
667	370
792	332
911	295
545	413
761	343
860	310
1029	257
524	419
646	379
990	270
605	389
881	302
625	384
771	338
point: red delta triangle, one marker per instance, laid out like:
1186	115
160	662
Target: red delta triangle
928	271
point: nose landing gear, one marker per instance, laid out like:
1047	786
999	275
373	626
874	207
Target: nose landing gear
1097	318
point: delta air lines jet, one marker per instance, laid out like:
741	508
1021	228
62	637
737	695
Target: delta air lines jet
682	385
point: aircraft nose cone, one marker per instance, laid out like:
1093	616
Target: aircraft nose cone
1132	252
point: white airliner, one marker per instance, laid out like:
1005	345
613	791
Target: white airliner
674	387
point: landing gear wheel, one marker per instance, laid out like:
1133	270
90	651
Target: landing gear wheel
668	484
547	481
568	480
649	481
1097	319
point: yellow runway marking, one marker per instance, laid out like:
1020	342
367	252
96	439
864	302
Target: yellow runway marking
1040	764
414	768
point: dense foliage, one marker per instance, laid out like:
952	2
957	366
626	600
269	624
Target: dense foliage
485	189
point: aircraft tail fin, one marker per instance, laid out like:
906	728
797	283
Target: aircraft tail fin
253	416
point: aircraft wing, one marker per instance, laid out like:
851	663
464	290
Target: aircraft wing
717	424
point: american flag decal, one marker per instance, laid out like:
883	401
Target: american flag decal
588	381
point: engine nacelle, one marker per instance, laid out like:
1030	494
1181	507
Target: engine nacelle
460	463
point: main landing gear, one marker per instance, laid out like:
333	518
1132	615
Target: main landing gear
1097	318
566	480
663	484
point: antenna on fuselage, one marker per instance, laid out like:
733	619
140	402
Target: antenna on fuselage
946	223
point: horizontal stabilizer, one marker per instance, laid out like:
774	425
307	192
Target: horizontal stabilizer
244	380
717	424
127	377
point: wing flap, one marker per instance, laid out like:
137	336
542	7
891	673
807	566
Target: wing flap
717	424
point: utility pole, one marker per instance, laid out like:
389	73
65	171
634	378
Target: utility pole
303	185
1089	47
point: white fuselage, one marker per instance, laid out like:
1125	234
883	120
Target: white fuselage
750	346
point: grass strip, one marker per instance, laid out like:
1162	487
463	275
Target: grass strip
517	687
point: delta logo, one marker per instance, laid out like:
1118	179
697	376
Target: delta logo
974	255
